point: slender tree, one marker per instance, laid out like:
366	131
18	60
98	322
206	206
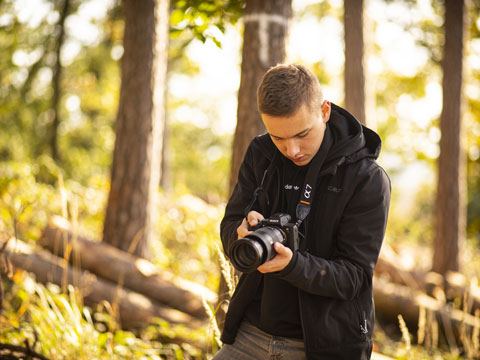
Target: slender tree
450	217
354	55
57	73
139	124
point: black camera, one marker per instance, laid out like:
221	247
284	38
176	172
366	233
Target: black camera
256	248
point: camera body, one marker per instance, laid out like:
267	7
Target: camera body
248	253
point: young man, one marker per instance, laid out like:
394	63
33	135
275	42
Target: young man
317	164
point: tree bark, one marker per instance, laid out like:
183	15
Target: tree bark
137	155
450	202
125	269
135	310
354	59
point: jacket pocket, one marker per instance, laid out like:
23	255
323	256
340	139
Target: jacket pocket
331	322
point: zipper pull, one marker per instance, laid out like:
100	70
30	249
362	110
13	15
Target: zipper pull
364	329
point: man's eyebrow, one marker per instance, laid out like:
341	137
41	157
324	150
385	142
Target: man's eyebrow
303	132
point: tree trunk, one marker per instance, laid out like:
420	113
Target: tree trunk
139	124
135	310
450	204
166	177
266	26
126	270
354	73
57	71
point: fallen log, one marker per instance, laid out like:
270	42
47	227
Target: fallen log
134	310
389	264
392	300
446	288
123	268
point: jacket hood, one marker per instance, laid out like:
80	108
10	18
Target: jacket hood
351	140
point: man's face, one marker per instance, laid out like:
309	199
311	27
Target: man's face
299	136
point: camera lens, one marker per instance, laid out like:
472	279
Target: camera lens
256	248
246	255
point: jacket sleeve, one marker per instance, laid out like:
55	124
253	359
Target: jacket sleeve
357	245
241	197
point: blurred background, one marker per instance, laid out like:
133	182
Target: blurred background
129	120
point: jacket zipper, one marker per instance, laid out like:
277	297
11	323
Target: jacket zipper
363	321
302	247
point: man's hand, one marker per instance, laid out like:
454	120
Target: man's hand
253	218
279	262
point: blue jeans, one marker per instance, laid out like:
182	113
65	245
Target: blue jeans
252	343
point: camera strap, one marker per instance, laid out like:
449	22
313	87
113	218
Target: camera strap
308	191
260	190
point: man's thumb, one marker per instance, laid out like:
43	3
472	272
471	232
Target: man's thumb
279	248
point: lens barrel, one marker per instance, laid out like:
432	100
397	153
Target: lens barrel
248	253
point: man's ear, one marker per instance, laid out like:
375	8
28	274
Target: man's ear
326	109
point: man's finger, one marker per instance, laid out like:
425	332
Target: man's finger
254	217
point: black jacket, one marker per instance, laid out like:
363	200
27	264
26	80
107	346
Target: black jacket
334	266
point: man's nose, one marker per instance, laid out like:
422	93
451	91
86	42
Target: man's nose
293	148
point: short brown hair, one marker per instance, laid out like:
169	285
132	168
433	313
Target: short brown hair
284	88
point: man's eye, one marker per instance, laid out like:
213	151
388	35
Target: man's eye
302	135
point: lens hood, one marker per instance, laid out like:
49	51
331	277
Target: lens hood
248	253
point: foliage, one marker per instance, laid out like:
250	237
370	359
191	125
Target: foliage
188	238
320	9
26	94
413	218
23	70
203	168
24	201
198	17
30	193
